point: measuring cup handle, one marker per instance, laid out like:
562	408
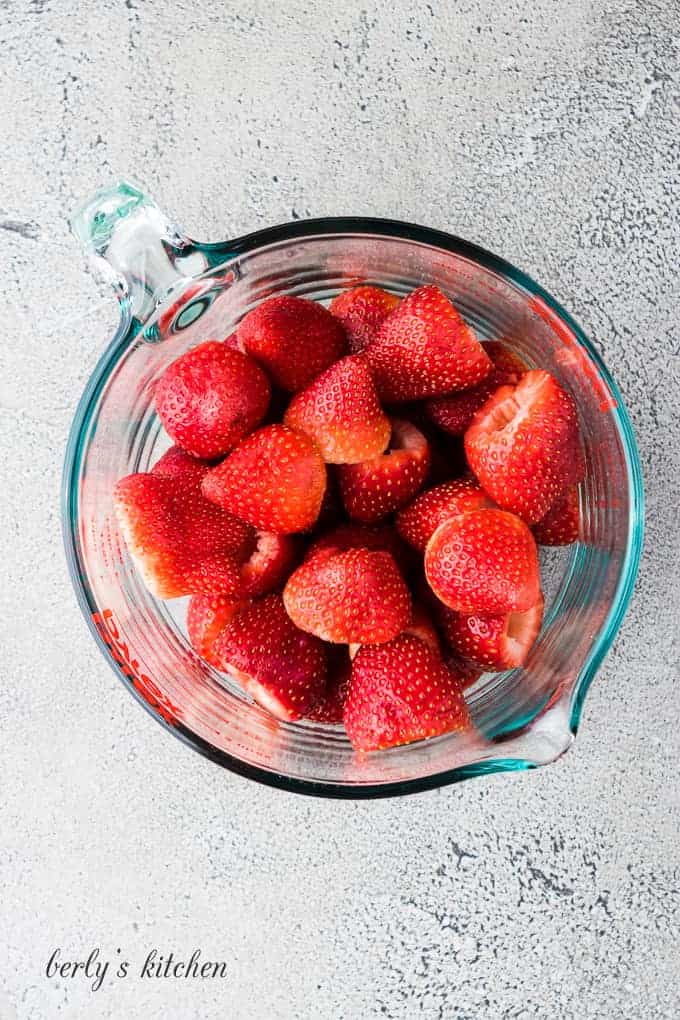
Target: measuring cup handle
135	246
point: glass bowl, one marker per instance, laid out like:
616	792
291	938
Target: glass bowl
174	293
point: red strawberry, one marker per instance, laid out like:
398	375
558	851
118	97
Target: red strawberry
483	561
182	544
281	667
523	445
495	642
329	708
293	339
362	536
425	349
454	413
420	625
175	463
356	596
468	673
207	616
400	692
269	564
372	490
340	411
418	521
362	311
275	480
562	523
210	398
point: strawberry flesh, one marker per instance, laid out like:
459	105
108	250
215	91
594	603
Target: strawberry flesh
523	445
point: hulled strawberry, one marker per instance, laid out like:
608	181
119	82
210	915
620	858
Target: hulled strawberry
483	561
420	625
362	310
181	543
280	666
400	692
269	564
207	616
562	523
356	596
417	522
454	413
372	490
341	412
495	642
524	447
330	706
425	349
210	398
275	479
293	339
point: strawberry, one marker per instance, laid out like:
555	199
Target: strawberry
362	311
340	411
417	522
454	413
210	398
362	536
495	642
181	543
280	666
523	445
175	463
400	692
293	339
468	673
275	480
207	616
562	523
269	564
372	490
425	349
329	708
483	561
356	596
420	625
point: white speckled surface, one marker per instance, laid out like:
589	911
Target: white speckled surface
547	133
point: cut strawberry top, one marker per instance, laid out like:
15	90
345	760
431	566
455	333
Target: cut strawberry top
523	445
494	642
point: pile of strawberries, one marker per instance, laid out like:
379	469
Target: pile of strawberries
353	503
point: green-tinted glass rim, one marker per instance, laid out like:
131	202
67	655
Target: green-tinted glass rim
221	252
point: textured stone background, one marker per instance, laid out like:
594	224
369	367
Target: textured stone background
547	132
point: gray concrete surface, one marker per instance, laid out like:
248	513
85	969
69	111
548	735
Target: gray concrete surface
547	132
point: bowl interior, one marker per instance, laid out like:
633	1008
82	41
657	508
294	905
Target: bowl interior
523	717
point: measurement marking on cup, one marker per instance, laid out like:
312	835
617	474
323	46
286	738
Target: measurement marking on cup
120	653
